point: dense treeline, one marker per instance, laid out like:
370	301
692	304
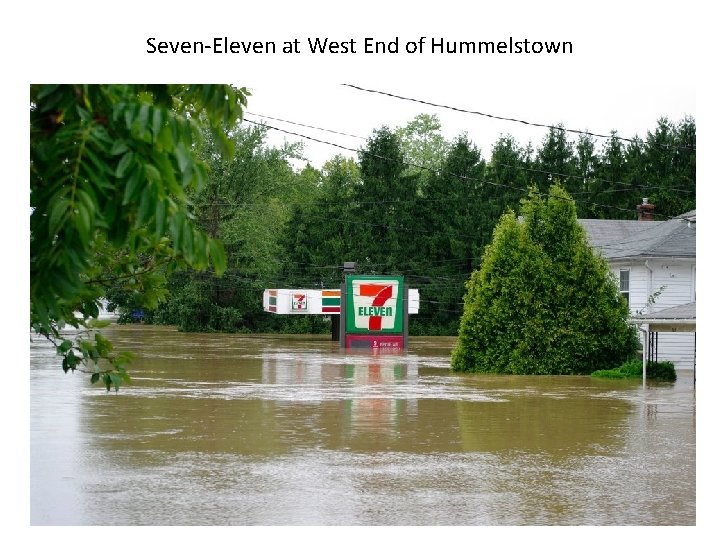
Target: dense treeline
412	203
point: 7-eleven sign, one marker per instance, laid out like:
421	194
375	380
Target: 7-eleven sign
374	304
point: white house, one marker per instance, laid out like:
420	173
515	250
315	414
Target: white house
655	264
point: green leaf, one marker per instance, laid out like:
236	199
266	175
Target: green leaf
84	114
158	120
116	381
83	222
58	214
64	347
119	146
87	198
124	164
165	140
72	361
167	174
101	166
133	186
160	217
103	345
153	174
183	158
146	207
142	120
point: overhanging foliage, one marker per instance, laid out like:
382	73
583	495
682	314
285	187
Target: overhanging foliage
110	170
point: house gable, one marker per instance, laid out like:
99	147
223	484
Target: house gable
660	260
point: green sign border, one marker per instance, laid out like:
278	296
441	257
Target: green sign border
350	327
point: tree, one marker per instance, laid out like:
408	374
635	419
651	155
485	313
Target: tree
423	146
669	158
610	188
245	203
319	236
542	302
110	170
452	216
555	161
507	174
386	197
587	161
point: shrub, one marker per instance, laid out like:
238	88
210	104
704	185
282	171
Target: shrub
542	301
632	369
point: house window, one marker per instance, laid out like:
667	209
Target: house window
625	284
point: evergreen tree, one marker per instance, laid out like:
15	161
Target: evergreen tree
684	164
386	199
556	162
508	173
587	162
669	159
542	302
453	218
607	188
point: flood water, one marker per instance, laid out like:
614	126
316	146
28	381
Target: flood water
221	429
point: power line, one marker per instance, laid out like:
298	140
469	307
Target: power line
307	126
496	117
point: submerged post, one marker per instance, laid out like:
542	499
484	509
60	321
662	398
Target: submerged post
341	322
348	267
406	318
334	327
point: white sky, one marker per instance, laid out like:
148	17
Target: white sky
631	110
633	62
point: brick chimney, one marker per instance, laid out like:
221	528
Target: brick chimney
645	210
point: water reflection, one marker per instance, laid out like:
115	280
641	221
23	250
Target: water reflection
242	430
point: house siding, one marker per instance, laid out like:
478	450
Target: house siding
677	276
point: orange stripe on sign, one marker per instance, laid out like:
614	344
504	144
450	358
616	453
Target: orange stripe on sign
331	293
273	293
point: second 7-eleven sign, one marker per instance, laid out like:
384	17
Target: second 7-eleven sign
374	304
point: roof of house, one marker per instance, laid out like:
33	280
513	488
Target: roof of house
682	312
673	319
628	239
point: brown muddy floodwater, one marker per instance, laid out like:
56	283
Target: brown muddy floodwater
221	429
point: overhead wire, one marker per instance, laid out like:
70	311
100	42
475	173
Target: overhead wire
305	125
508	119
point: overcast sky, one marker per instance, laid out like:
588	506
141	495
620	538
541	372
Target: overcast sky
630	110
